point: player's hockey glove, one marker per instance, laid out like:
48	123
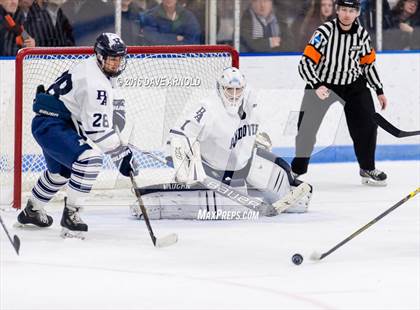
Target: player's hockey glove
40	89
123	158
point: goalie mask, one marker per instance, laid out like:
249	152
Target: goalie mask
110	45
231	86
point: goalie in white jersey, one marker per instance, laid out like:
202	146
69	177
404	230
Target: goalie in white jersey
80	104
220	138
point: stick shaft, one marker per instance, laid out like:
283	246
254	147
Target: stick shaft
399	203
143	210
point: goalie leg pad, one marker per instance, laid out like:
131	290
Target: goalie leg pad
296	200
188	204
266	174
301	206
187	160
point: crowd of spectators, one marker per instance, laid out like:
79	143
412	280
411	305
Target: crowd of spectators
266	25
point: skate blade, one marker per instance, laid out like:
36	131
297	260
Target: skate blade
370	182
20	225
27	226
69	234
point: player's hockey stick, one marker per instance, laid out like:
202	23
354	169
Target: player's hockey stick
388	127
157	242
318	256
15	241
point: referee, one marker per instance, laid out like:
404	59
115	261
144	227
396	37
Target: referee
337	64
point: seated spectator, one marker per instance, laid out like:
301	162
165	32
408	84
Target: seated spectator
291	10
145	4
170	24
319	12
198	8
226	23
130	22
367	17
13	35
405	34
263	30
88	18
48	23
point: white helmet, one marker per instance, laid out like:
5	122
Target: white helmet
231	86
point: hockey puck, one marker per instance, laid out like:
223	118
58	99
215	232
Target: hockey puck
297	259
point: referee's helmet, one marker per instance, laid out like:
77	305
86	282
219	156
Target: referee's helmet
348	3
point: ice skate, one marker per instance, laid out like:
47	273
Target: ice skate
72	225
29	215
373	177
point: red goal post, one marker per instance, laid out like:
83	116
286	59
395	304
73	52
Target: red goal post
36	66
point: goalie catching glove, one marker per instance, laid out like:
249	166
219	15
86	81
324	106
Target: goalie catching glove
187	161
124	160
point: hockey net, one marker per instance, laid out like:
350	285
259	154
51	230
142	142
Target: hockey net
157	85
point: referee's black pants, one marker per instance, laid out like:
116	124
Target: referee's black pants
358	108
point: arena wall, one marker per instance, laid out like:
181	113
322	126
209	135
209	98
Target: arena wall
280	89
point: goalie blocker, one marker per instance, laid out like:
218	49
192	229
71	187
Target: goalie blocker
266	177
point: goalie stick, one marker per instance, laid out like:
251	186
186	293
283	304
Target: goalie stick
317	256
15	241
157	242
388	127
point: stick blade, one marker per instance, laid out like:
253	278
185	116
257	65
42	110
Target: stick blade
387	126
166	241
315	256
16	244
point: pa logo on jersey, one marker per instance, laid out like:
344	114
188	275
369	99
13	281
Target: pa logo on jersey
199	114
101	97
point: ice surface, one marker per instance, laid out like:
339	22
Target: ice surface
230	264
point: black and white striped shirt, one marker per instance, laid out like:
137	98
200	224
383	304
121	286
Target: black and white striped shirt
338	57
47	32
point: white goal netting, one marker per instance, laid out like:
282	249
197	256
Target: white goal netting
157	85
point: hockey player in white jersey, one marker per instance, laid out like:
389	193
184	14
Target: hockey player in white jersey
80	104
218	138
